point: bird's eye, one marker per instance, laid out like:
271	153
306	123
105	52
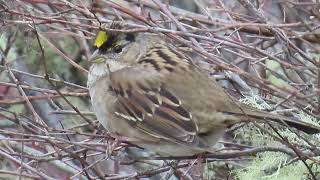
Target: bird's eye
117	49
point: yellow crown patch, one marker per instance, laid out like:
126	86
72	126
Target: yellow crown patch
101	38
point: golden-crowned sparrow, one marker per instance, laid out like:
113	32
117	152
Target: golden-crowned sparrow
145	89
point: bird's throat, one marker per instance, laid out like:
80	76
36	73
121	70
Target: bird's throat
101	70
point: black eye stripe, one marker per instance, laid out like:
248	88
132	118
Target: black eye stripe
109	43
113	41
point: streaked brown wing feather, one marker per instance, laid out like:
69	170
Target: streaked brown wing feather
144	101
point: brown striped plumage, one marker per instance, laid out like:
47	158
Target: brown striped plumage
152	93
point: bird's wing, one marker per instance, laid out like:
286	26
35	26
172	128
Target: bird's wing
145	102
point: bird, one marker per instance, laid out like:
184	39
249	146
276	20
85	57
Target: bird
145	88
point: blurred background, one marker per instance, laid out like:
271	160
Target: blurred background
265	53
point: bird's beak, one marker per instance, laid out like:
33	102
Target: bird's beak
94	56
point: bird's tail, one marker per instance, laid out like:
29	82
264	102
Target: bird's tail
253	115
